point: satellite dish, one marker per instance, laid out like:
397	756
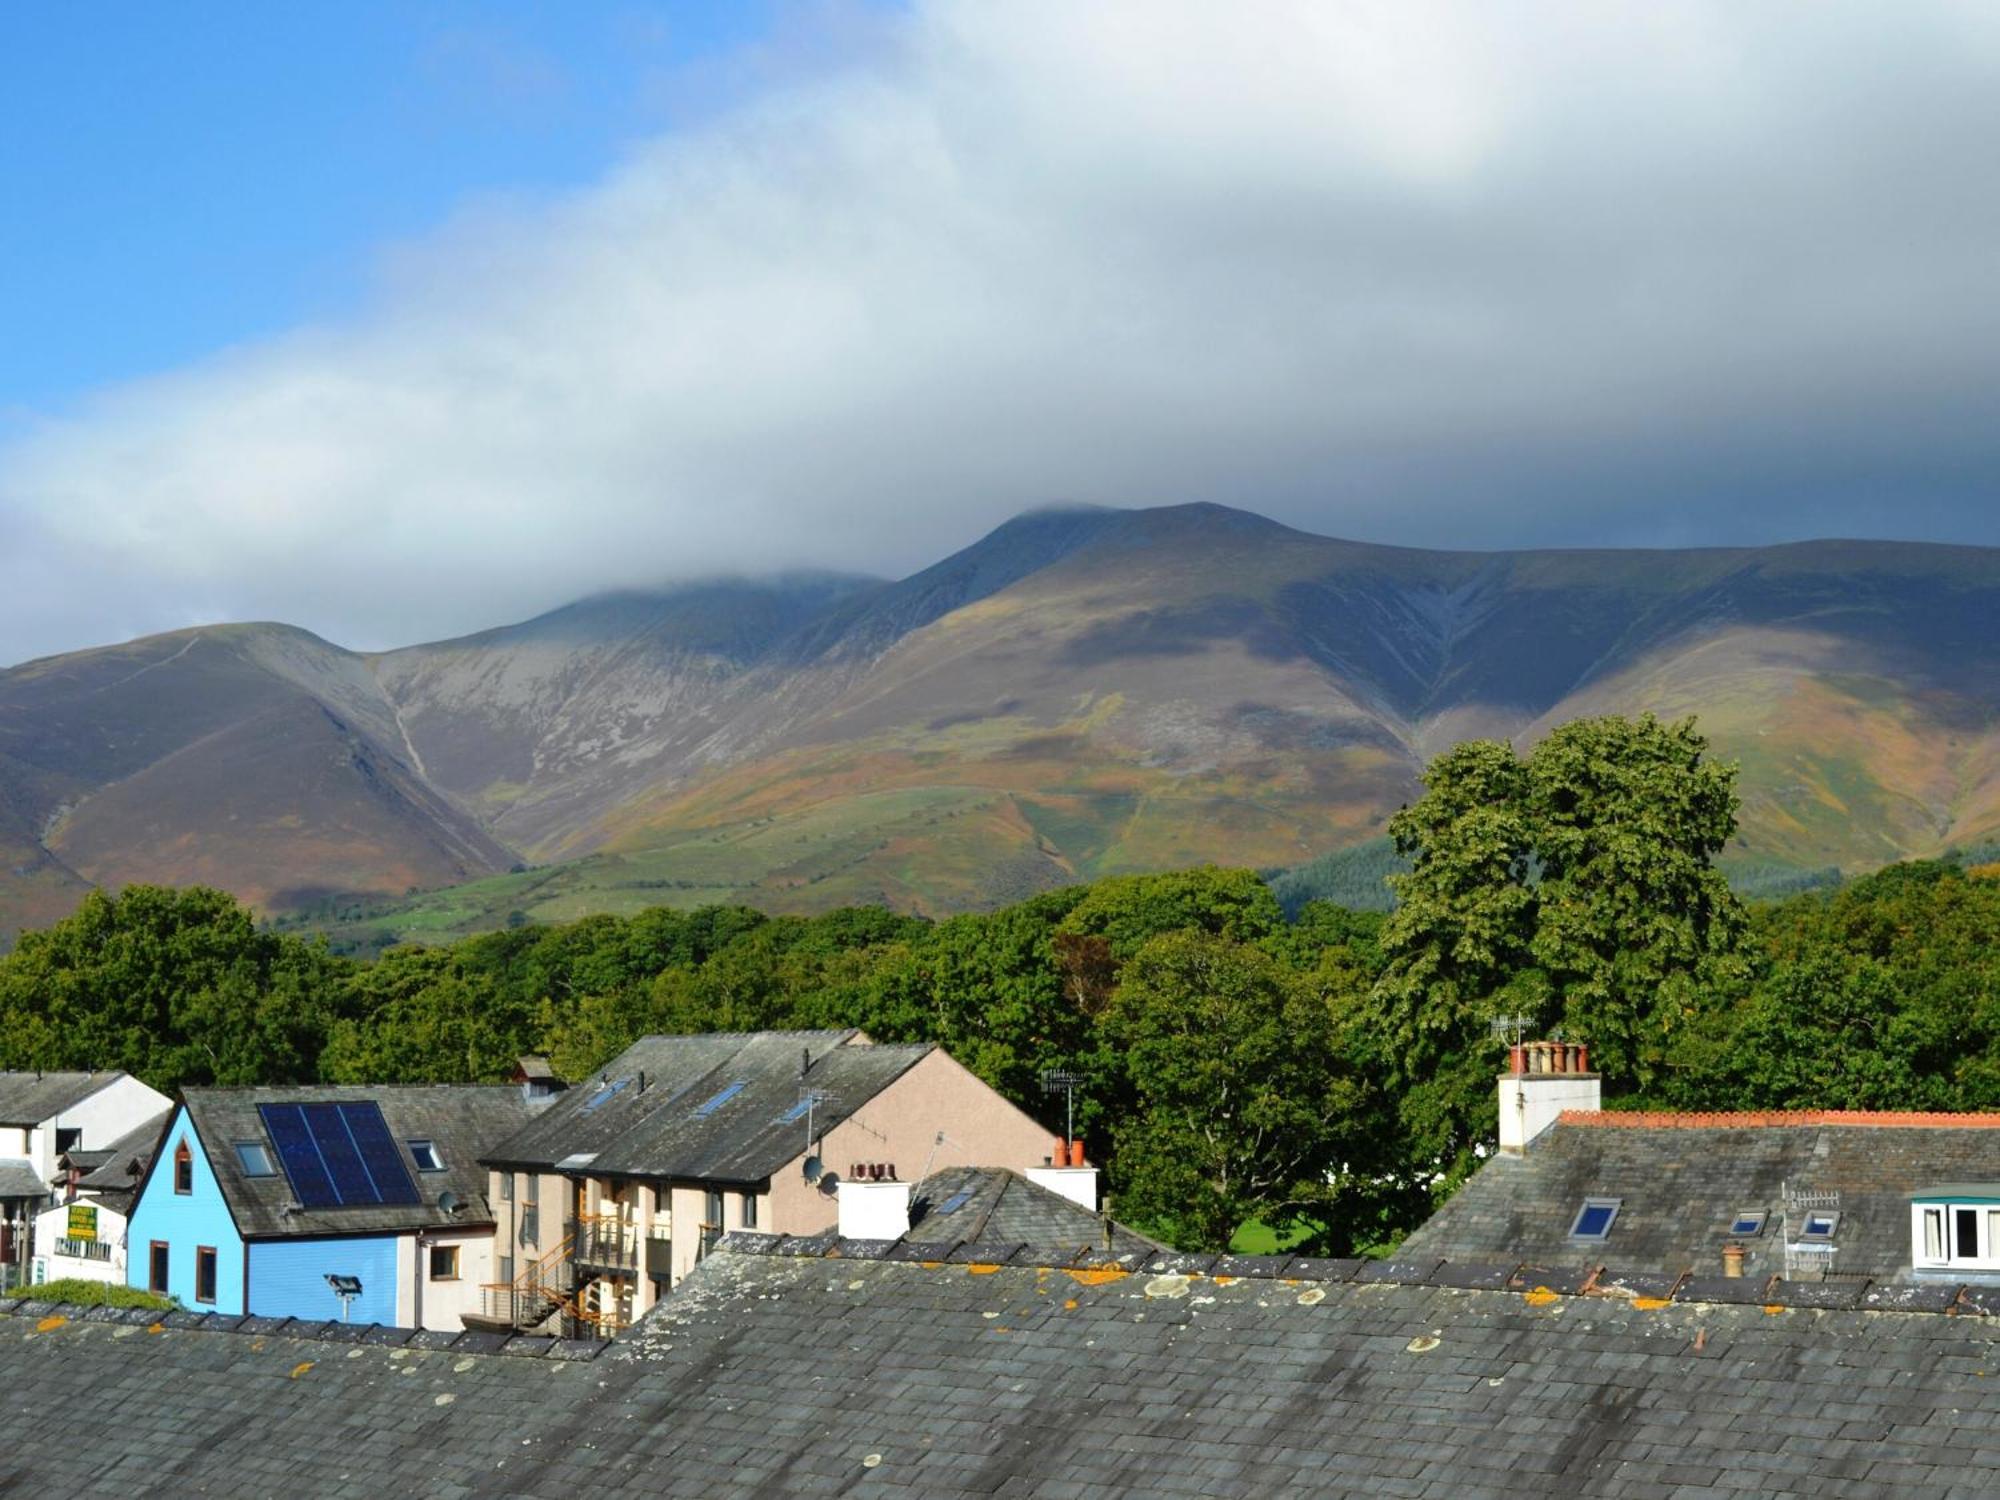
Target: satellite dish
814	1169
447	1202
829	1183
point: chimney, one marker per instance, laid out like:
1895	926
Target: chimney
1543	1080
877	1209
1077	1183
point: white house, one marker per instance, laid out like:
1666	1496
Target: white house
43	1115
83	1237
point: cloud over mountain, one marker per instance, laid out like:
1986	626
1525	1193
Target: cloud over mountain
1423	272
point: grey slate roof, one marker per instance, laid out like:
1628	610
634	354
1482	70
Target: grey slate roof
115	1179
630	1129
462	1119
1681	1185
30	1098
19	1179
1003	1206
774	1370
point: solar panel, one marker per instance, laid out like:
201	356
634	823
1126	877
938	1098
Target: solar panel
710	1106
339	1155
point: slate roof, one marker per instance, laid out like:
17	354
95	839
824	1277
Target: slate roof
1002	1205
631	1125
462	1119
776	1370
121	1167
19	1179
28	1099
1682	1180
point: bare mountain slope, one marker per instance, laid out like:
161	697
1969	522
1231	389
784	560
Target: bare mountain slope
1079	692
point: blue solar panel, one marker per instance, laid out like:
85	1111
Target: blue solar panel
298	1155
339	1155
710	1106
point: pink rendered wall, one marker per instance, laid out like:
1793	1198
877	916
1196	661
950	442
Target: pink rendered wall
900	1125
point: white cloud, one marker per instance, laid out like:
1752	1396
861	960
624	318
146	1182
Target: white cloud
1469	273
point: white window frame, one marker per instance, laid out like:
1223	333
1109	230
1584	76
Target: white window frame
1575	1224
1934	1235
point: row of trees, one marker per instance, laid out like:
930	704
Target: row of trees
1329	1073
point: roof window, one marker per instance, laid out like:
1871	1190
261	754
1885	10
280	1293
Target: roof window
955	1202
709	1106
255	1159
1749	1223
608	1090
425	1154
1819	1225
1594	1220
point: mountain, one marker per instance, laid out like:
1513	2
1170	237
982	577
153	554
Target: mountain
1078	693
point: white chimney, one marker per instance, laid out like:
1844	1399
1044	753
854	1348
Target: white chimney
1078	1184
1545	1078
873	1210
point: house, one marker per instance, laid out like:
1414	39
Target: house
1811	1194
1047	1206
612	1194
815	1367
359	1204
83	1237
42	1115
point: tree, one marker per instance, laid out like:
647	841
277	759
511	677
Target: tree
1634	922
1240	1105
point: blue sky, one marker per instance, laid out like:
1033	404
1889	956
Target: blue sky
182	177
398	321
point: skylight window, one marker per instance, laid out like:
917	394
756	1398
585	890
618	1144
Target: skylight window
1749	1223
1820	1225
955	1202
606	1092
425	1154
796	1112
255	1159
1594	1220
709	1106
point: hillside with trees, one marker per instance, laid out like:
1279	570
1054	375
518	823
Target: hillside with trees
1328	1073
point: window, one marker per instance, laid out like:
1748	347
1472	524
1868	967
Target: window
711	1227
1965	1233
156	1268
1749	1223
425	1154
709	1106
749	1210
955	1202
67	1139
183	1169
254	1159
1594	1220
506	1272
1934	1234
529	1186
606	1092
204	1274
1820	1225
444	1263
506	1186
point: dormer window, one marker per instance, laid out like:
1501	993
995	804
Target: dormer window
1956	1226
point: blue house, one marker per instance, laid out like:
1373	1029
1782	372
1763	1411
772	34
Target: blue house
363	1205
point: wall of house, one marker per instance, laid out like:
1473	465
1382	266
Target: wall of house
52	1227
427	1302
288	1277
901	1125
552	1197
185	1221
117	1109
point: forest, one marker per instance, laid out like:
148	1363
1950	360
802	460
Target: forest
1325	1075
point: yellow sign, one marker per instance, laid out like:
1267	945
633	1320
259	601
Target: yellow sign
83	1221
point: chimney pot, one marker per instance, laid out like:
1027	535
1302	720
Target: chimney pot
1732	1260
1062	1152
1076	1154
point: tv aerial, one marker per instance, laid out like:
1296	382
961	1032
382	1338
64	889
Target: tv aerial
1064	1081
1510	1029
814	1101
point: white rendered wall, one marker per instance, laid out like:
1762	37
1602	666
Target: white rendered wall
1078	1184
874	1210
1530	1103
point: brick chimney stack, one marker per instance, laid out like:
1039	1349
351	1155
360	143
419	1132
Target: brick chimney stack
1542	1080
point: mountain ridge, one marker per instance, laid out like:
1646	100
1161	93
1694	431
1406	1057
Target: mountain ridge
1078	692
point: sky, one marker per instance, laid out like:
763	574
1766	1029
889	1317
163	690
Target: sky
401	320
